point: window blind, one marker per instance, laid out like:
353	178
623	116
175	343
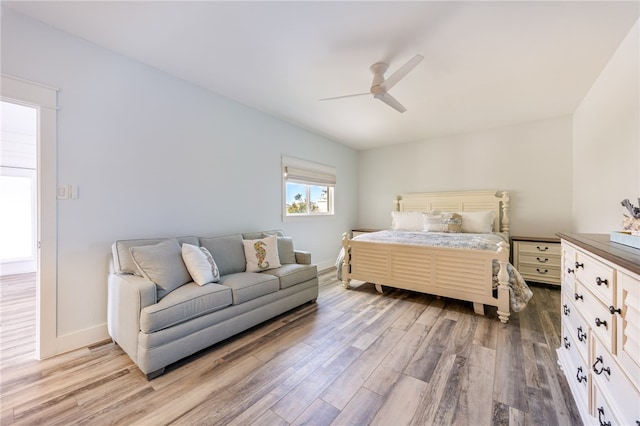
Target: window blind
307	172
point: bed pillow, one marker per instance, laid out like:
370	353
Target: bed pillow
478	222
200	264
162	264
442	222
261	254
407	221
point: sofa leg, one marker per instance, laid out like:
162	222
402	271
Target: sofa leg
155	374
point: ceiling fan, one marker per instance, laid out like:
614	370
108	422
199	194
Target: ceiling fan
380	86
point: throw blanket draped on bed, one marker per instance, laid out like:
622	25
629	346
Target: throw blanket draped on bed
519	293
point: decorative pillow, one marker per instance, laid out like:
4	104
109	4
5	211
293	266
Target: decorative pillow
442	222
261	254
200	264
285	250
406	221
478	222
162	264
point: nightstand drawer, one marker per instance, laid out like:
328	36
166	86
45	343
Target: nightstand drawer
540	259
538	248
538	273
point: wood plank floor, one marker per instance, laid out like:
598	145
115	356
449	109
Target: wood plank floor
352	358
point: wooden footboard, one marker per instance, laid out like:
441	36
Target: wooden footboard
449	272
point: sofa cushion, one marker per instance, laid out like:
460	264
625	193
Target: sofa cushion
285	250
261	254
162	264
227	251
123	262
262	234
200	264
183	304
292	274
246	286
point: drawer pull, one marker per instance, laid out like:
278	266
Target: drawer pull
570	271
567	344
542	272
580	378
600	416
614	310
601	281
600	322
545	260
579	265
603	368
545	248
565	309
582	336
578	296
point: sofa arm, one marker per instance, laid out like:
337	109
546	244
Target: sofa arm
303	257
127	296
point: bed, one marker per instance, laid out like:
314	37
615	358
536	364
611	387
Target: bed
401	259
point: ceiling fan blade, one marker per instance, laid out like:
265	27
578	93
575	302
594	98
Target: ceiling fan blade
401	72
392	102
345	96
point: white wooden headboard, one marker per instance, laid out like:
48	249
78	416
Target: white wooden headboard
468	201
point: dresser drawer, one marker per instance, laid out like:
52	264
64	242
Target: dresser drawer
577	372
621	395
596	276
574	325
596	315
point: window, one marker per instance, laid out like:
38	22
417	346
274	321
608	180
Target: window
308	188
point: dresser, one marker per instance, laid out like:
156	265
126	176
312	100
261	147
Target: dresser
600	339
537	259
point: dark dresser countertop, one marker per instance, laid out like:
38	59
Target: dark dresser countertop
600	244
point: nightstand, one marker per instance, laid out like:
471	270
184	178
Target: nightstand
357	231
537	259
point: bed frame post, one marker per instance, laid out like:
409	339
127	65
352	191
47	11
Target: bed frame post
346	261
503	283
505	212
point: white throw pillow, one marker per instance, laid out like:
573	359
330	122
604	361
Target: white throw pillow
406	221
261	254
200	263
477	222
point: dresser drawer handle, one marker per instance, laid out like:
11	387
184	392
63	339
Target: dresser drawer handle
565	309
570	271
601	281
579	265
567	344
613	310
545	260
580	378
582	336
578	296
600	322
600	415
541	271
545	248
603	368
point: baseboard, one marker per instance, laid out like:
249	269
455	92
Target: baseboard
327	264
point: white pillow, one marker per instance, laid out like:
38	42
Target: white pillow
478	222
407	221
200	263
261	254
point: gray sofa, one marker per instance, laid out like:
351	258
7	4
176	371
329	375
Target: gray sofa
156	327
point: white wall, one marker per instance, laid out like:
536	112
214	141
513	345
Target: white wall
532	161
156	156
606	148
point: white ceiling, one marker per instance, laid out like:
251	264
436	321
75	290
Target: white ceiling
487	64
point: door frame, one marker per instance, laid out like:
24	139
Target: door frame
45	100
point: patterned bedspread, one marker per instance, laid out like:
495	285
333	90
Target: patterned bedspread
519	291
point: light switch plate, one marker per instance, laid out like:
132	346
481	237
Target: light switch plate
62	192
